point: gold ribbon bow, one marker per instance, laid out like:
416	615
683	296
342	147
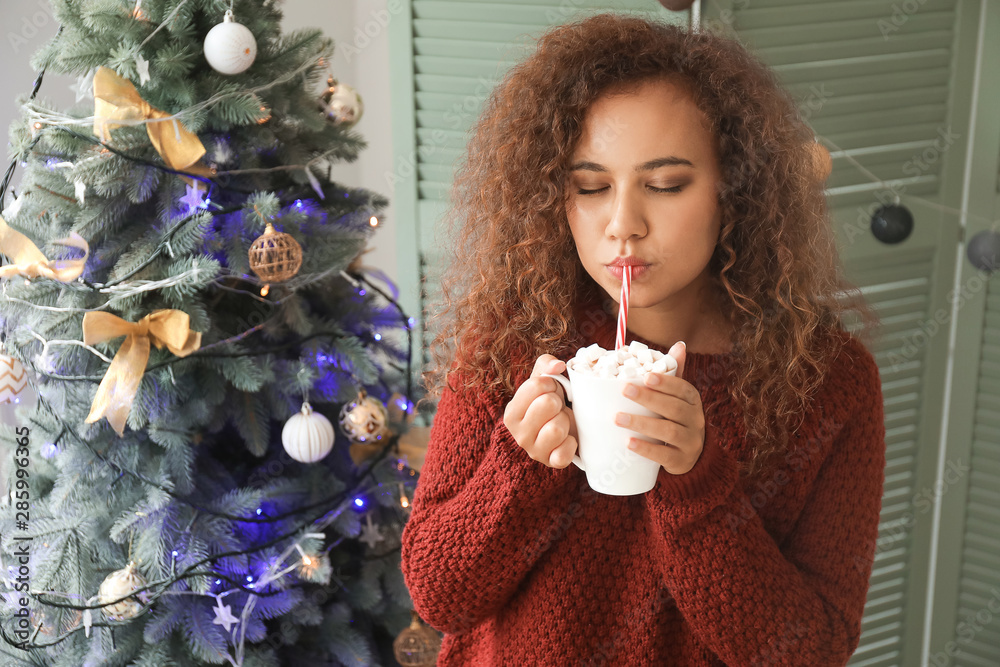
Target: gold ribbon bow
116	98
29	262
165	328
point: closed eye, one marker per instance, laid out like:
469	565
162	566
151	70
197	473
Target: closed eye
675	189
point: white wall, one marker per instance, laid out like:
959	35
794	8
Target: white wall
26	25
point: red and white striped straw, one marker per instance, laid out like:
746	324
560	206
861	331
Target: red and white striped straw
623	307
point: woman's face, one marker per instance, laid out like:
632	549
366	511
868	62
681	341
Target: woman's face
643	184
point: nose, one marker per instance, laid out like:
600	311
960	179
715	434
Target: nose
628	218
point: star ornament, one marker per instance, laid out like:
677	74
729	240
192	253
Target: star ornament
370	533
224	615
193	198
142	66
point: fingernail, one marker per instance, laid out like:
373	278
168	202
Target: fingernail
652	379
632	444
623	420
631	391
683	343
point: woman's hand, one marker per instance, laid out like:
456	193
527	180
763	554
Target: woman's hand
681	424
539	419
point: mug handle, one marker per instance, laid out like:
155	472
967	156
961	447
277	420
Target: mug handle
561	379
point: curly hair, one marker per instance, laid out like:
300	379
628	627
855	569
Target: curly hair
514	269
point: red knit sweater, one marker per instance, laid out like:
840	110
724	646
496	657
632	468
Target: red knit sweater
521	565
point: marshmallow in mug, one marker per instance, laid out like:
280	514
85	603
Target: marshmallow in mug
632	361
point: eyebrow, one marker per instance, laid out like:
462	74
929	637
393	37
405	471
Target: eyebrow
645	166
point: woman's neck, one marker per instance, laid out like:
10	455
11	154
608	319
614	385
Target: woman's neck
707	332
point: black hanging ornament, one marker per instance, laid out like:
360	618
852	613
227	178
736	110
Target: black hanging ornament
892	223
984	250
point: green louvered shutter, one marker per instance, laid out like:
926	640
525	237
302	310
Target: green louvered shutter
876	78
965	626
974	627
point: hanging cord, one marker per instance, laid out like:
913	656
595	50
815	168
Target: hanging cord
13	162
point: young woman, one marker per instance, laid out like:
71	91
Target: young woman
625	141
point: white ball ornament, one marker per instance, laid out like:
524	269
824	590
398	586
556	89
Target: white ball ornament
230	47
121	583
307	436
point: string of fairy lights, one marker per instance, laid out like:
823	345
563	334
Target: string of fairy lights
309	520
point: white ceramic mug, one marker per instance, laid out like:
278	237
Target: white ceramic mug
612	468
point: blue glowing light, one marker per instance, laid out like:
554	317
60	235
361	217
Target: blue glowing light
402	403
259	511
174	552
411	322
378	336
362	292
298	203
249	578
218	581
49	450
359	502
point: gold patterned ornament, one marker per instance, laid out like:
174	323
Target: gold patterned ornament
341	104
417	645
307	436
275	257
119	584
364	420
162	328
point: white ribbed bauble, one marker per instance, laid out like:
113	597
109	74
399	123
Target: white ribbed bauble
230	47
307	436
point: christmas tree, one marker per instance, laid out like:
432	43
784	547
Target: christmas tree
182	294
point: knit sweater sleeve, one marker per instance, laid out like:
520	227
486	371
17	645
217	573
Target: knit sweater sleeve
478	515
800	602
